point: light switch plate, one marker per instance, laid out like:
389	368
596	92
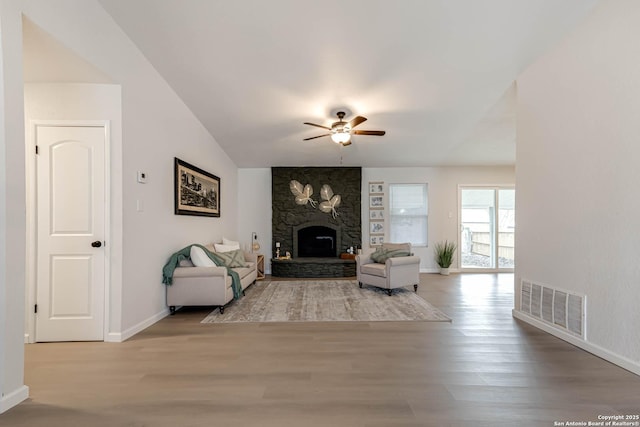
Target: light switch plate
142	177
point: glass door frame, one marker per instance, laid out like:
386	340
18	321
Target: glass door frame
496	201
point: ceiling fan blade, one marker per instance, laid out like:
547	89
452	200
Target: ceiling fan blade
318	126
319	136
344	144
356	121
368	132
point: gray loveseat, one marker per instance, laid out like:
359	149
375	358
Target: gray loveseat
208	285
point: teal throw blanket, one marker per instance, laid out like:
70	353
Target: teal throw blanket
185	253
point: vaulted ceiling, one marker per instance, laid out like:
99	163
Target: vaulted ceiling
436	75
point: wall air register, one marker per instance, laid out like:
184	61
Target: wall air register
561	309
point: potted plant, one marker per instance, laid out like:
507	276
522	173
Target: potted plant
444	252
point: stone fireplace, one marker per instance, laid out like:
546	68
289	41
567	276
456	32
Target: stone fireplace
315	238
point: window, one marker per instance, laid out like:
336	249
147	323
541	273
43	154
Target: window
408	213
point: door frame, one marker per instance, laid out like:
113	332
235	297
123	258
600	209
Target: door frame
494	187
32	224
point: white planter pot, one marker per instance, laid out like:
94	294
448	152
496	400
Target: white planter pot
444	271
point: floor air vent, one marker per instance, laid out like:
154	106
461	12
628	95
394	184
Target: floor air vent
559	308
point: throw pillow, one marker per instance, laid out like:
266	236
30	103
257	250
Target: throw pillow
378	255
226	241
226	248
231	259
200	259
381	255
395	253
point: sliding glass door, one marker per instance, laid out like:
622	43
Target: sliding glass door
487	227
506	227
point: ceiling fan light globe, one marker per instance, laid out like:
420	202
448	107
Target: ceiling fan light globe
340	137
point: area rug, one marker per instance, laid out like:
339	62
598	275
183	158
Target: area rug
325	301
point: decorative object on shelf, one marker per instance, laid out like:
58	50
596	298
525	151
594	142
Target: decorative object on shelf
331	201
196	192
303	194
255	246
286	256
444	252
277	249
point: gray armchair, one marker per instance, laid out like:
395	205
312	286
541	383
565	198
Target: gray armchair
394	273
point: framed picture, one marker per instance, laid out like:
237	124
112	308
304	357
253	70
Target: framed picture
376	202
376	240
196	191
376	187
376	214
376	227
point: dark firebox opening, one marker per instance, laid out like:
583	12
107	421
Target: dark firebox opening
317	241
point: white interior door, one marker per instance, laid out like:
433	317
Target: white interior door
71	227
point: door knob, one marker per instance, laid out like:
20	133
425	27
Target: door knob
96	244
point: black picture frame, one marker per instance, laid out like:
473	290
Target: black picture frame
196	191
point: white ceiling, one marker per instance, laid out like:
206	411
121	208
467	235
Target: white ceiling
437	75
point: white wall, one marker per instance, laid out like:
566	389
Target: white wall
254	210
577	172
12	210
77	102
255	201
156	127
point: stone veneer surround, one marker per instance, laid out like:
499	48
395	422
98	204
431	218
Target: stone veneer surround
287	215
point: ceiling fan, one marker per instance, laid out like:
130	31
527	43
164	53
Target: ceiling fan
341	131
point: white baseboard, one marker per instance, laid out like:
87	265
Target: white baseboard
123	336
12	399
616	359
437	270
26	338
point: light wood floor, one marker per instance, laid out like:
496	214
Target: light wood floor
484	369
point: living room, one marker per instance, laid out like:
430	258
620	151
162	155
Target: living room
576	128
